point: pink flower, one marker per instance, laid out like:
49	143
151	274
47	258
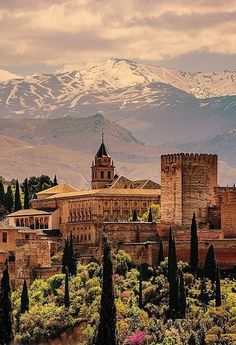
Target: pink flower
135	339
117	277
125	294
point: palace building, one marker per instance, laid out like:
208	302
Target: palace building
188	185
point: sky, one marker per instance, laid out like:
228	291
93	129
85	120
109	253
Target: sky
40	36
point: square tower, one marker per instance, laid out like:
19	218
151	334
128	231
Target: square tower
187	186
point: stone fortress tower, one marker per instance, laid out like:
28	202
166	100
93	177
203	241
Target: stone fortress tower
102	168
188	183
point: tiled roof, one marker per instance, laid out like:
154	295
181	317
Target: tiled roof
29	212
60	188
108	192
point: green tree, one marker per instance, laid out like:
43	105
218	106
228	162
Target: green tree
66	256
150	217
17	203
26	195
192	340
156	213
55	181
9	200
106	334
2	193
218	288
210	264
6	318
182	296
67	293
37	184
24	306
170	242
134	216
160	253
140	292
72	258
173	282
194	258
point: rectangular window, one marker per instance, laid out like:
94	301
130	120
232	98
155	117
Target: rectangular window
4	237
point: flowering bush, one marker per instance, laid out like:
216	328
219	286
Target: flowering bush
138	338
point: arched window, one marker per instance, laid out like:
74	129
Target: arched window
109	174
102	174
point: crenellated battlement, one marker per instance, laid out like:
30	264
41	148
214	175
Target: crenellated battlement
189	158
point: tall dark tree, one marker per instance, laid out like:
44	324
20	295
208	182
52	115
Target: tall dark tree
67	293
202	338
26	195
140	292
194	258
173	282
106	334
134	216
9	200
17	202
24	306
160	253
55	181
6	319
150	217
66	256
192	340
73	262
218	288
2	193
210	264
182	296
170	249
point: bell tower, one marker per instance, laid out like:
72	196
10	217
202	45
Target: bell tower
102	168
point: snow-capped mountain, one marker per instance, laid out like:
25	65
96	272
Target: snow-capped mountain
159	105
5	75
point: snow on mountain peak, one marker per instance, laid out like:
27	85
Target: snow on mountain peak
5	75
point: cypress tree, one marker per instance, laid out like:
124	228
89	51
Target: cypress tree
140	300
6	319
210	264
170	249
218	288
72	261
192	340
55	181
24	299
26	195
2	193
160	253
135	216
182	296
17	203
194	258
106	334
202	338
150	217
173	282
65	256
9	200
66	293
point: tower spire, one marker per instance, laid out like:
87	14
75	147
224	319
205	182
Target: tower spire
102	136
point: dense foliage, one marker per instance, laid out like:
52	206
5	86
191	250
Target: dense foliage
204	322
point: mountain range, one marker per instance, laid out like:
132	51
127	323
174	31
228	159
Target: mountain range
46	116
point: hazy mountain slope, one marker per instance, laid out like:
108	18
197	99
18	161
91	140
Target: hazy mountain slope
223	144
67	146
5	75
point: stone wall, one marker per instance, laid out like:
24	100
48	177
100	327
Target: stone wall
187	186
30	254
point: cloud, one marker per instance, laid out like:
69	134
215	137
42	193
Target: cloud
67	31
